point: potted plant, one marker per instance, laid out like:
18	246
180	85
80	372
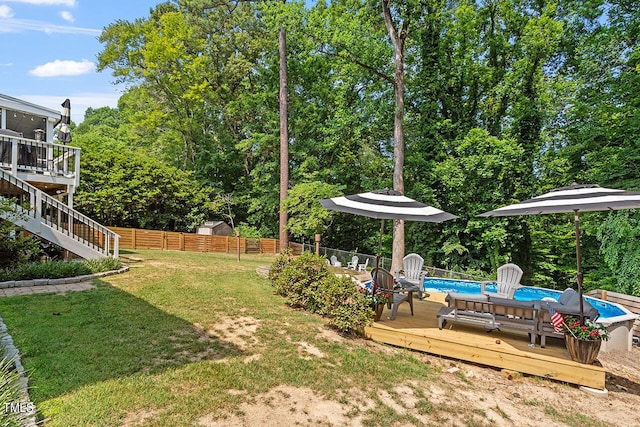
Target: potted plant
583	340
377	299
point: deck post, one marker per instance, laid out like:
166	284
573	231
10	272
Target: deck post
14	157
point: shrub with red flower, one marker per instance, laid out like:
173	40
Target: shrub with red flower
588	331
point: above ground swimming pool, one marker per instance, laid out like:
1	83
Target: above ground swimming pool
528	293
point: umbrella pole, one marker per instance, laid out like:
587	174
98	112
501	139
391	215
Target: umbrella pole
579	261
379	256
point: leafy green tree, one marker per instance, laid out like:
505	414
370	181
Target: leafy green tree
594	138
129	190
619	236
307	216
480	161
480	65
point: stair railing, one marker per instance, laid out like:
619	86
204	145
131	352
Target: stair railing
60	217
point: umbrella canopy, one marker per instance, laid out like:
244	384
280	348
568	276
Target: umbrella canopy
574	198
386	204
64	135
583	198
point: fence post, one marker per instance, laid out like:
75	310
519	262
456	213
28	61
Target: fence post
181	242
133	237
237	244
317	245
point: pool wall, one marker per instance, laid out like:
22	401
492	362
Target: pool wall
619	336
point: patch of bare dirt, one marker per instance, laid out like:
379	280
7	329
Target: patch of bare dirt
286	405
138	418
239	331
329	335
457	393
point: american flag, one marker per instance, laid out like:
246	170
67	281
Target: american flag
556	319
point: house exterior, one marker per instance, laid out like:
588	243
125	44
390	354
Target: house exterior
40	176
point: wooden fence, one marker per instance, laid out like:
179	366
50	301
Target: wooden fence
631	303
136	238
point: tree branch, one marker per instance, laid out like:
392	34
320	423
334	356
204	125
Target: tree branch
359	63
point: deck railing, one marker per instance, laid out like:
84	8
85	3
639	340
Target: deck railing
28	155
35	204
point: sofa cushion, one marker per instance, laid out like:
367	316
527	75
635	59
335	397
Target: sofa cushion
512	302
589	311
569	297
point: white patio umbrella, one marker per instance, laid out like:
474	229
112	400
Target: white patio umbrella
574	198
64	134
386	204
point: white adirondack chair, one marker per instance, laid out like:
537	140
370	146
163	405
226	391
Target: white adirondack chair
508	281
354	263
412	273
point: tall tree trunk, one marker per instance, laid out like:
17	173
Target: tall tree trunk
397	39
284	139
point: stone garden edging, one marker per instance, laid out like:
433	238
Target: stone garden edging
61	281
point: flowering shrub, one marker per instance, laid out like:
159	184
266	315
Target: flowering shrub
589	331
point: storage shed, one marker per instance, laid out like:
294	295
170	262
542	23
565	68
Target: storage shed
215	228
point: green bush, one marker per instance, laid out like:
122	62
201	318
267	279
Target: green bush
16	247
308	283
299	281
102	264
59	269
281	261
348	309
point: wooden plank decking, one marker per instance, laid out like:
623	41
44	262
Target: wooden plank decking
501	349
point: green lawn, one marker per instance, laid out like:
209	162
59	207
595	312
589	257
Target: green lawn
171	337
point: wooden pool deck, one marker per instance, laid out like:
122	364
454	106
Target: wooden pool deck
507	350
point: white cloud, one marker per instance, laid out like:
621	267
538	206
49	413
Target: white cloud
67	16
5	11
63	68
70	3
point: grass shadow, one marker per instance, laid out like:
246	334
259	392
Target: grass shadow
81	338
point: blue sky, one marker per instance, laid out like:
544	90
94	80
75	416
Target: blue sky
49	50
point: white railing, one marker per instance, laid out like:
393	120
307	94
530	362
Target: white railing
58	216
28	155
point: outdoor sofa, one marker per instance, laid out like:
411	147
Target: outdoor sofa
503	313
490	313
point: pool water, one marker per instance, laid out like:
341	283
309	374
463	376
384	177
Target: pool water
527	293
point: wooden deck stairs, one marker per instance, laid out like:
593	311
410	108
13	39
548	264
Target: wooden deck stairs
54	221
